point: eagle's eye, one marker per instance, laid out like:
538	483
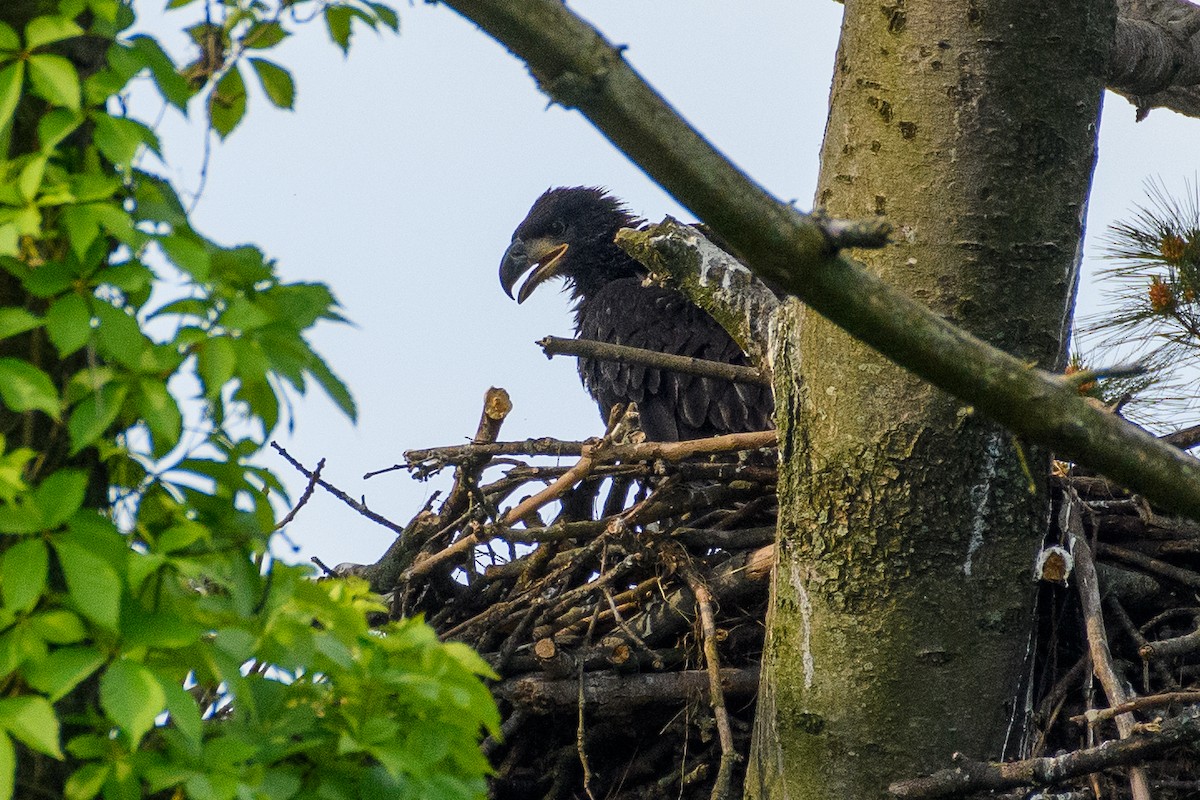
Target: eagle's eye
556	227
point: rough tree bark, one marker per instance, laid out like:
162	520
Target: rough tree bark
903	595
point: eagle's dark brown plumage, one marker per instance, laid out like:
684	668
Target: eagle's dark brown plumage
569	233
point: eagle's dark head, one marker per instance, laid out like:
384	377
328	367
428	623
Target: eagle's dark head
569	233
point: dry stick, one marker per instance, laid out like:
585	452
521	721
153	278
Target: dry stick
1089	598
970	777
610	694
603	351
1184	439
580	732
360	507
439	457
308	492
679	451
716	697
1126	622
1170	648
1187	577
496	406
655	661
525	507
432	459
1096	716
591	454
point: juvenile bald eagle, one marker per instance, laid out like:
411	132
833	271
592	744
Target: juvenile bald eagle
568	233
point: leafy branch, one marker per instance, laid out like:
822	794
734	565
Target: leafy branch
148	642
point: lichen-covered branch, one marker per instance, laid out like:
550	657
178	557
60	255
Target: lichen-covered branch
712	278
1155	61
971	777
578	68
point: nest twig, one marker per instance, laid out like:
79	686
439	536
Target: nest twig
621	600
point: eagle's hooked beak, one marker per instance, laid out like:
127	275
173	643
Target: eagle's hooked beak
544	254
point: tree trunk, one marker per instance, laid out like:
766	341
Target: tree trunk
902	601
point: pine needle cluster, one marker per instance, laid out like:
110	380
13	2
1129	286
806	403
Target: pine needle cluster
1152	285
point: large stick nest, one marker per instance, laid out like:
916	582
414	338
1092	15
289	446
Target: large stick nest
621	598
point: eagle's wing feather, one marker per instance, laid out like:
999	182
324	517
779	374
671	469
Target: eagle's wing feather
673	405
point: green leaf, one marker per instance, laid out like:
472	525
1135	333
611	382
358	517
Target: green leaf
44	30
157	201
91	188
86	782
12	77
19	518
173	87
81	223
387	15
9	240
58	626
17	320
161	413
55	79
185	714
107	10
243	314
264	35
23	574
49	279
69	323
28	221
31	720
60	495
119	334
177	537
9	41
227	102
119	223
12	472
334	387
8	760
276	82
120	137
215	364
64	669
131	697
95	414
24	387
56	125
131	277
92	583
30	179
337	20
188	253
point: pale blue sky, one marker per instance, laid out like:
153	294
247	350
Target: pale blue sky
402	172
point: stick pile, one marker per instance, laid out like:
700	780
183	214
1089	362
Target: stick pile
620	593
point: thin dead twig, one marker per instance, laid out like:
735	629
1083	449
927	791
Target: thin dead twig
1186	577
304	498
970	777
716	697
1096	716
603	351
1184	439
358	506
424	463
1089	598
